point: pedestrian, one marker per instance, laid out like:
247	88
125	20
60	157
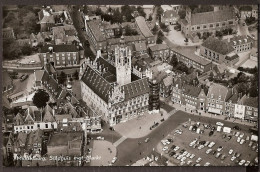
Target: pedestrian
140	153
140	128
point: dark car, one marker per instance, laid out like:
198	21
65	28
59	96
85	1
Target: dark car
172	153
173	146
236	128
223	157
183	150
211	133
214	152
23	77
170	140
112	128
224	136
229	137
202	142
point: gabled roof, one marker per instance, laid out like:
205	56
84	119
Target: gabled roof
39	75
168	81
34	137
141	23
218	46
140	46
21	138
136	88
48	19
212	17
170	14
97	83
249	101
218	91
18	119
191	90
94	26
48	117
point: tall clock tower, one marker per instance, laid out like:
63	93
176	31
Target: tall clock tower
123	63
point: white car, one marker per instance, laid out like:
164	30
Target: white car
197	165
165	148
208	151
198	160
185	153
114	160
237	134
238	139
32	61
167	142
207	164
163	142
176	148
183	159
211	144
233	158
242	162
189	162
100	138
247	163
241	135
219	123
219	148
192	156
247	138
207	143
231	151
188	155
200	147
179	157
242	141
192	144
182	163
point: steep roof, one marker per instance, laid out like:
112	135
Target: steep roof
94	26
97	83
140	46
250	101
136	88
218	46
158	47
218	91
212	17
141	23
35	137
48	19
191	90
170	13
168	81
39	75
21	138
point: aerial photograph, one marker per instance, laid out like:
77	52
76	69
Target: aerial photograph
129	85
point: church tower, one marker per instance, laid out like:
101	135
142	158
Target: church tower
123	63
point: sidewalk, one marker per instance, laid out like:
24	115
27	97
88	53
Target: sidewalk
202	113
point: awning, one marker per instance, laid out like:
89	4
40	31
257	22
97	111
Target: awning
213	110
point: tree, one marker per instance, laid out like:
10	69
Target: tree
155	29
127	12
11	49
150	18
26	49
174	61
117	17
29	22
40	98
141	11
159	37
159	12
99	12
62	78
182	14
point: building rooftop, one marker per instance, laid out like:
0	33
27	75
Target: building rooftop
59	48
140	46
218	46
212	17
158	47
191	90
250	101
218	92
94	26
239	40
170	13
141	23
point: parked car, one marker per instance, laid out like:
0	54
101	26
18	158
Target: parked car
192	156
233	158
23	77
224	136
250	144
165	148
182	151
170	140
220	148
238	139
206	144
100	138
211	144
211	133
229	137
188	155
183	159
230	151
237	134
176	148
198	160
241	135
189	163
114	160
238	155
173	146
219	124
206	164
146	140
247	163
253	147
242	162
201	147
214	152
218	155
172	153
242	141
208	151
247	138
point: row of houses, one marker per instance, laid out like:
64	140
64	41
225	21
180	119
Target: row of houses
217	99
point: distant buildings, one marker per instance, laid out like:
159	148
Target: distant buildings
7	83
212	21
8	33
248	11
241	43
